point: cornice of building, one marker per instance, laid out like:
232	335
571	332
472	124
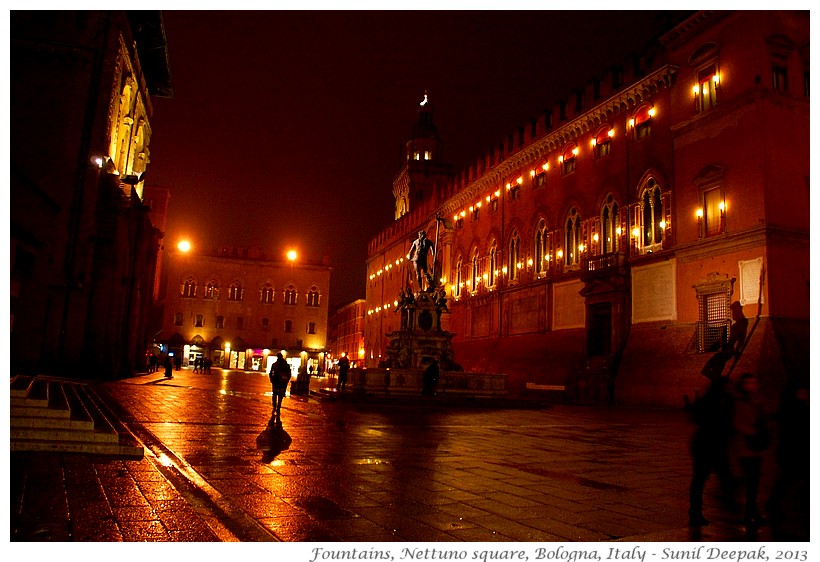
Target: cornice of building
624	100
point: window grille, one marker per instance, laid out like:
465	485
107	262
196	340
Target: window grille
713	325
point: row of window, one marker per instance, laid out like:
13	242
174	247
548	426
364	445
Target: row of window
188	289
644	223
219	323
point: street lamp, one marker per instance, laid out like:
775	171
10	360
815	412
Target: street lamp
184	246
291	255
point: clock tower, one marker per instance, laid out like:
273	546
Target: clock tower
414	185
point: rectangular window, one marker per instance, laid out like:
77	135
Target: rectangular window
539	180
514	192
476	213
602	149
713	212
220	321
311	328
240	323
568	166
707	88
494	204
178	319
265	324
198	321
713	321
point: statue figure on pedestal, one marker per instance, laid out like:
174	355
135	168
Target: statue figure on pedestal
421	247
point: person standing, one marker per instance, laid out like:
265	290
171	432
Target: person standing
344	367
279	376
712	416
430	379
752	438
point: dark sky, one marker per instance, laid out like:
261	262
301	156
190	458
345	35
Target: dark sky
287	128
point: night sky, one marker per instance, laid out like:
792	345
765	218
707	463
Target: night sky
287	128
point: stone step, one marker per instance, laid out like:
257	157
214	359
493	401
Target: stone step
50	422
19	385
60	434
87	447
65	416
39	411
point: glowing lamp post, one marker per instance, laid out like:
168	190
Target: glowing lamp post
184	246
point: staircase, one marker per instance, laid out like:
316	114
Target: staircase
56	415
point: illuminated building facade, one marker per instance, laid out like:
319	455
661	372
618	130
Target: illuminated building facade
346	333
596	250
238	307
83	247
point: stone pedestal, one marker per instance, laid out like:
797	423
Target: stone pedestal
411	349
421	339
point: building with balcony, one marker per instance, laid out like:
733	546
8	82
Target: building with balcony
238	307
598	248
83	247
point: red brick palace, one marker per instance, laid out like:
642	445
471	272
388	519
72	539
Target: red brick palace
597	250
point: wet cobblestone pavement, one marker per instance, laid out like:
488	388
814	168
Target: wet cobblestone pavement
352	470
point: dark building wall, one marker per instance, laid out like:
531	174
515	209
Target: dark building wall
82	245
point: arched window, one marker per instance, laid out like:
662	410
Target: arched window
290	295
603	141
539	175
610	229
572	239
642	121
475	271
567	158
514	256
188	288
266	294
288	326
493	265
235	291
650	223
313	297
458	281
540	249
212	290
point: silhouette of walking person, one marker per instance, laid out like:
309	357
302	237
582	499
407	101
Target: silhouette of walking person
279	376
712	416
344	367
752	438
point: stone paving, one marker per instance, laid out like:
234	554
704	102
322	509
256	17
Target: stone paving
357	470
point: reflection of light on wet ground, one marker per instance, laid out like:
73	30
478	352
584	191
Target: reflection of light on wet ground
165	460
370	461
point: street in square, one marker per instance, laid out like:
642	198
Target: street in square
357	469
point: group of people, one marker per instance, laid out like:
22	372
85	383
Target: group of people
733	430
202	365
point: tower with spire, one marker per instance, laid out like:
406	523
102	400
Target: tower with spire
414	185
